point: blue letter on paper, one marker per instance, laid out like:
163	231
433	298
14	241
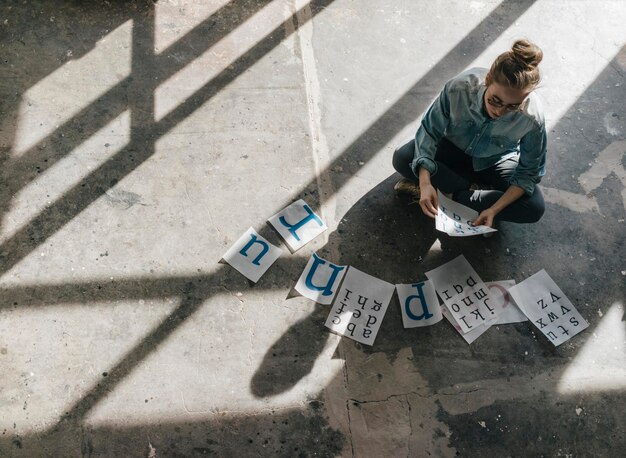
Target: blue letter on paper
253	240
328	287
294	227
420	295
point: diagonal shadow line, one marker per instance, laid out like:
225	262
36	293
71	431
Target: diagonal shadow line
400	114
132	288
139	352
193	290
362	149
375	137
75	200
107	290
190	305
415	101
111	104
116	366
188	308
141	100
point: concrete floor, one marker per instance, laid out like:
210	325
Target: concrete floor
139	142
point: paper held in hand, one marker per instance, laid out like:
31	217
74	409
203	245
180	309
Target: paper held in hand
456	220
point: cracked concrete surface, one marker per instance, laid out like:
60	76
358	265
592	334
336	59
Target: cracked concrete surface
138	142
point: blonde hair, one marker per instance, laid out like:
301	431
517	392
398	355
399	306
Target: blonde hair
517	67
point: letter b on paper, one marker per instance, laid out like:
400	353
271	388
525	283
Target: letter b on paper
419	304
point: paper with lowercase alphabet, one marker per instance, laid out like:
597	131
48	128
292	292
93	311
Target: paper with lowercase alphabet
360	306
510	312
320	279
548	308
469	336
464	294
456	220
297	224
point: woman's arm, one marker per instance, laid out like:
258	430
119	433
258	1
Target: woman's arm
431	130
428	194
528	173
532	160
486	217
427	137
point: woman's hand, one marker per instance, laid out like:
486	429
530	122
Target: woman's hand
485	218
428	200
512	193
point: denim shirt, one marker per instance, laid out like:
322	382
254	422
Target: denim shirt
458	115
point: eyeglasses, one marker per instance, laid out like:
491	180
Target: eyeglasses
494	101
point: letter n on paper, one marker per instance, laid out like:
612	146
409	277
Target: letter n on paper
252	255
320	280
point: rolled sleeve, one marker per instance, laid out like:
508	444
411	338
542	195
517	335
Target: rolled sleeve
532	160
430	132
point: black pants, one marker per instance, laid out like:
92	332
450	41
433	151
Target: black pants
455	173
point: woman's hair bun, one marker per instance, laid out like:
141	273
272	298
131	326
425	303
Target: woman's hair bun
527	53
517	67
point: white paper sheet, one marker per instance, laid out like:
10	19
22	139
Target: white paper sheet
455	219
320	280
419	304
252	255
548	308
297	224
470	336
511	312
360	306
463	292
